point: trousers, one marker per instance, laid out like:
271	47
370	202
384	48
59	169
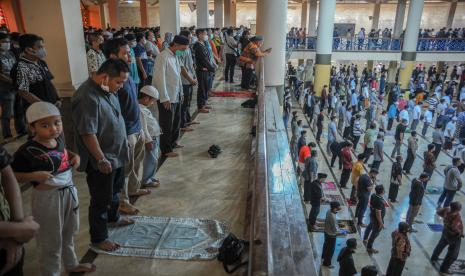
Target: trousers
362	205
371	233
412	212
151	162
395	267
453	243
202	88
328	249
345	177
186	104
313	215
131	170
57	212
104	202
170	123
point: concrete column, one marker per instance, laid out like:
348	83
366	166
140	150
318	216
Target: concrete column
409	49
202	13
169	16
272	24
309	70
311	29
232	15
143	14
103	18
375	18
450	17
219	14
396	32
303	18
227	13
324	44
113	13
65	47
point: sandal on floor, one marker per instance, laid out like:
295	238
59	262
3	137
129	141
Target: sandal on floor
83	268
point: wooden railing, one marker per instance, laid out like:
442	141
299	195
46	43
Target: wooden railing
280	244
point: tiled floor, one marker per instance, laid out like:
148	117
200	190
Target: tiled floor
193	185
423	242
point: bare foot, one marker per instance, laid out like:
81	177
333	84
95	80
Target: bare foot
128	209
171	154
178	146
107	245
84	268
187	129
141	192
202	110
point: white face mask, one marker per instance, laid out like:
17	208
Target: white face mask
5	46
105	88
194	39
205	38
41	53
133	44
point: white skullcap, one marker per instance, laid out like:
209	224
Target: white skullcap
150	91
40	110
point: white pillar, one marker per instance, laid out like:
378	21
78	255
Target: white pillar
413	25
311	29
202	13
272	24
227	13
169	16
324	44
219	14
451	15
375	18
103	17
303	17
64	42
399	21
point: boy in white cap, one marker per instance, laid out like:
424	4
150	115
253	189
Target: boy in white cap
151	132
46	164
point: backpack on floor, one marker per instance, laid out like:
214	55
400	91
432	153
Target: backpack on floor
230	252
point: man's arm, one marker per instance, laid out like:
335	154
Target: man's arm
186	75
93	146
140	66
12	194
379	219
29	97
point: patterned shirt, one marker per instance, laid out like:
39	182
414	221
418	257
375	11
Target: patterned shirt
29	72
95	59
5	160
7	60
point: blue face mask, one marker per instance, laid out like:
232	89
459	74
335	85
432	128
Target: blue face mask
179	53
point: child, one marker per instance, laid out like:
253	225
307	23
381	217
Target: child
45	162
151	132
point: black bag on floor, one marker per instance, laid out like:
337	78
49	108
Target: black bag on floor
230	252
249	103
214	151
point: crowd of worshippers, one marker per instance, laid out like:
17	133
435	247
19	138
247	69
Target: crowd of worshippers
342	107
125	116
348	39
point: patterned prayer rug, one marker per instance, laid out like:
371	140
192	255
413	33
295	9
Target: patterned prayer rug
329	186
457	267
168	238
331	198
347	225
239	94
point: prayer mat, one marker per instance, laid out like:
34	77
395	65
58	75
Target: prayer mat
457	267
331	198
435	227
329	186
241	94
347	225
168	238
434	190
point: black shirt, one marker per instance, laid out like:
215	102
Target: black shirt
364	182
377	204
346	262
5	158
417	191
399	129
316	192
33	156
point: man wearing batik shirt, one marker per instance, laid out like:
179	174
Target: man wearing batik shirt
7	91
31	75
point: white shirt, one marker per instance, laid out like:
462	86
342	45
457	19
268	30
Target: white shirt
416	112
167	79
150	126
404	115
428	117
450	130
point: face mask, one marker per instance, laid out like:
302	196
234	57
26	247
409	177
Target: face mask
205	38
133	44
194	39
105	88
212	36
41	53
179	53
5	46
